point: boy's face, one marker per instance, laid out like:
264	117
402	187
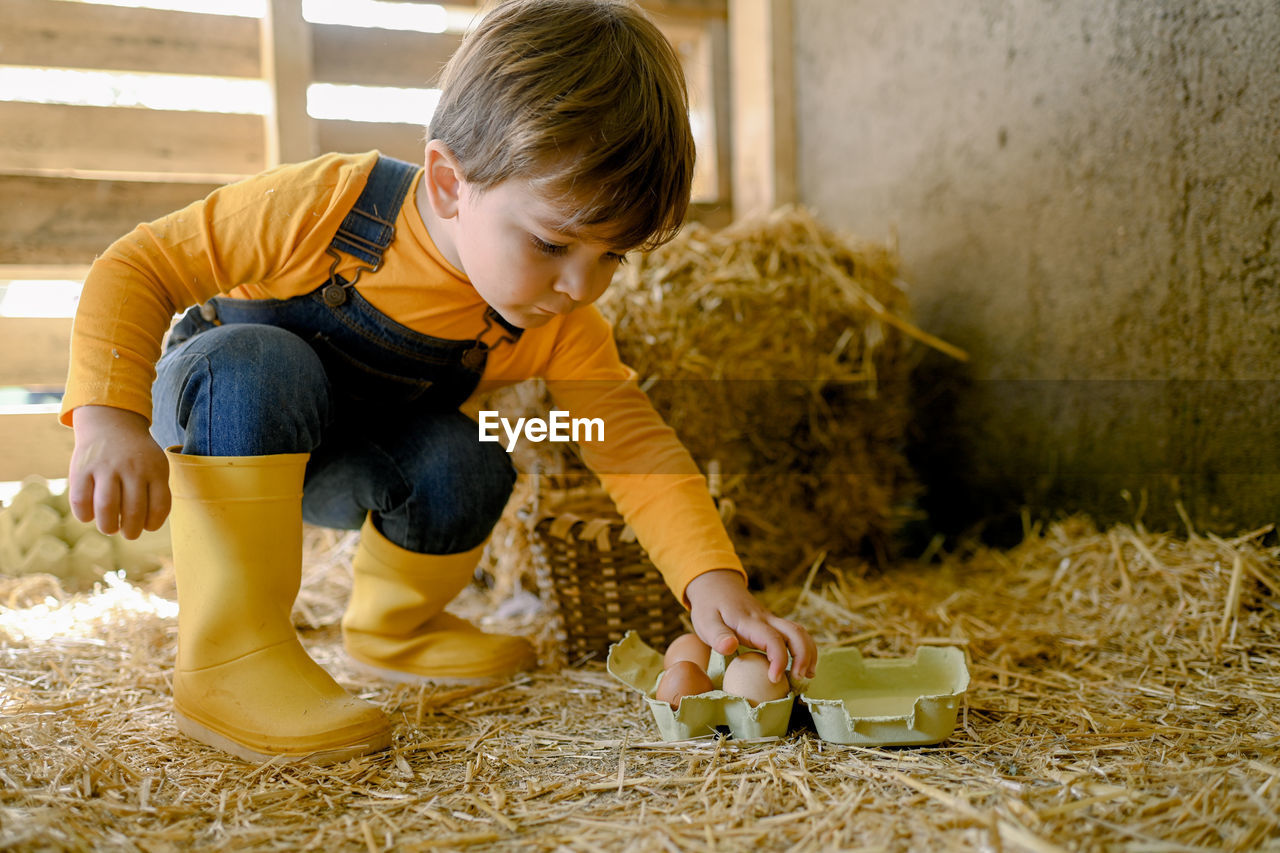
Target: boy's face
511	244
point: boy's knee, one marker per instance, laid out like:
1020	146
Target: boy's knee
458	497
474	491
248	353
499	477
244	390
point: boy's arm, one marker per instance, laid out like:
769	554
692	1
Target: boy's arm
661	493
270	228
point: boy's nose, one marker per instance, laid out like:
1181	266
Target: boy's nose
578	285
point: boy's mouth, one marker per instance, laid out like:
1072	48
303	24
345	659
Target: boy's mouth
567	308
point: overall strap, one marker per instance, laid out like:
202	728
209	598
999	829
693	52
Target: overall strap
368	230
370	226
365	233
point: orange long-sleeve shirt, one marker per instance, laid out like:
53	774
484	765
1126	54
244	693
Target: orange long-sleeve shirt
265	237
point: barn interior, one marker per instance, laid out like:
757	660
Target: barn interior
972	327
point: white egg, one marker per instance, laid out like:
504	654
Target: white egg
747	675
687	647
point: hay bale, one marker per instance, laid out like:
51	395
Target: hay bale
781	351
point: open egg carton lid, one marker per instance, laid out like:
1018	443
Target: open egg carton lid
852	700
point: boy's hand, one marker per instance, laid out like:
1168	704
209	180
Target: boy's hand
118	475
725	614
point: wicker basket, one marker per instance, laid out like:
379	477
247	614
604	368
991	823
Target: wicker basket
592	571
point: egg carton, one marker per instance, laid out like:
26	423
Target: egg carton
39	534
852	700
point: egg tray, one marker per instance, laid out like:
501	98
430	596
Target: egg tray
852	700
40	535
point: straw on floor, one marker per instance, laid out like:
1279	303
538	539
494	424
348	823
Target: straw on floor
1124	697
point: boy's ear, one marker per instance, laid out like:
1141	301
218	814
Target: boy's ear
443	178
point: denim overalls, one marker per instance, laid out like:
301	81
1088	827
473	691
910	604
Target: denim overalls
374	402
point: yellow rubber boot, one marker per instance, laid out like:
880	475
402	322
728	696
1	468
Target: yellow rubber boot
243	683
395	621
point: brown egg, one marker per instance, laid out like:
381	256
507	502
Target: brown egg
687	647
682	678
747	676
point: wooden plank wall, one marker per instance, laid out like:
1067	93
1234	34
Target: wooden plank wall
74	178
764	172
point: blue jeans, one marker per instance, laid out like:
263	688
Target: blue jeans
373	402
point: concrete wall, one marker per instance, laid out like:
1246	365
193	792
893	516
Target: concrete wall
1087	199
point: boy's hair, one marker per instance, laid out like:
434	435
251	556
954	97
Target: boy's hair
586	100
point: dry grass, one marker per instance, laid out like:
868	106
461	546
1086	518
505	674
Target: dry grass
781	350
1124	697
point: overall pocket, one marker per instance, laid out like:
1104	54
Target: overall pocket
351	377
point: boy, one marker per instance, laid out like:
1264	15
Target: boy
346	308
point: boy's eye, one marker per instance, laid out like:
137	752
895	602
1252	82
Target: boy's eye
619	257
546	248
